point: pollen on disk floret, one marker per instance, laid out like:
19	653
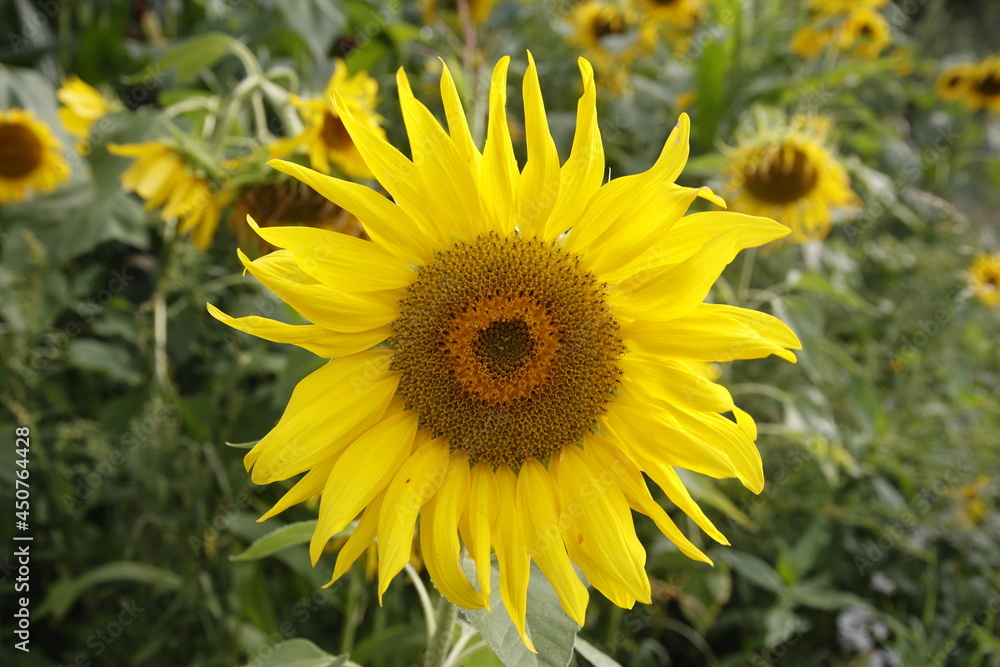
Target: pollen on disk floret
505	346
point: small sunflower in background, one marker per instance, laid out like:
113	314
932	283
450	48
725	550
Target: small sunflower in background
612	36
785	170
865	33
325	137
31	157
164	178
954	82
843	7
983	91
672	20
82	106
984	278
810	41
479	10
513	345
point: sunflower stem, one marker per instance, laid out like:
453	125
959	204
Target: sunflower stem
160	369
746	275
437	652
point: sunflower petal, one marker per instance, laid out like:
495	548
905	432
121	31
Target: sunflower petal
309	486
358	477
359	541
581	176
439	544
415	483
512	556
538	514
477	523
538	186
318	340
458	124
499	176
674	382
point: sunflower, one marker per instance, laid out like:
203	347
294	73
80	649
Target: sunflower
82	106
787	172
612	36
162	177
954	82
30	156
810	41
479	10
984	278
325	135
510	354
683	14
842	7
865	33
983	91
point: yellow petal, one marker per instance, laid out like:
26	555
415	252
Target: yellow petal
498	180
706	333
667	479
391	168
415	483
338	260
690	234
538	186
443	175
359	541
538	514
320	304
309	486
327	410
385	222
358	477
597	527
476	525
619	197
655	435
321	342
581	176
767	326
458	124
629	479
439	544
512	557
674	382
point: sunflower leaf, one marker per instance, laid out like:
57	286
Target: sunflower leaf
552	631
299	653
278	540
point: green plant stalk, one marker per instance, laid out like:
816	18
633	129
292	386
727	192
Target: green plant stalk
437	651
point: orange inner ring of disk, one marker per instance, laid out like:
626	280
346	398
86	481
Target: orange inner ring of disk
473	366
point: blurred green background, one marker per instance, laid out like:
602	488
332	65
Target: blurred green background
875	541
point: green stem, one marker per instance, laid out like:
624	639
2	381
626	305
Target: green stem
437	652
160	369
746	275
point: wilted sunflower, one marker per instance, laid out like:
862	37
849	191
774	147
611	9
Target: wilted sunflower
509	354
30	156
325	136
984	278
865	33
955	81
162	177
785	170
83	106
984	88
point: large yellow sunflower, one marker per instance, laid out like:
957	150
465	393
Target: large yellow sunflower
510	354
325	136
787	172
30	156
984	277
83	106
162	177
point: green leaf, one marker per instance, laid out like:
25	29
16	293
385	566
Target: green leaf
711	86
754	569
278	540
111	360
64	593
298	653
242	445
191	56
318	22
551	630
593	655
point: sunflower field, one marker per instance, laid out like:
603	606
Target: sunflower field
500	332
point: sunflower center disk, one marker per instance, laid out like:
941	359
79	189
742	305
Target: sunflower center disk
787	177
333	133
20	151
989	85
505	346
